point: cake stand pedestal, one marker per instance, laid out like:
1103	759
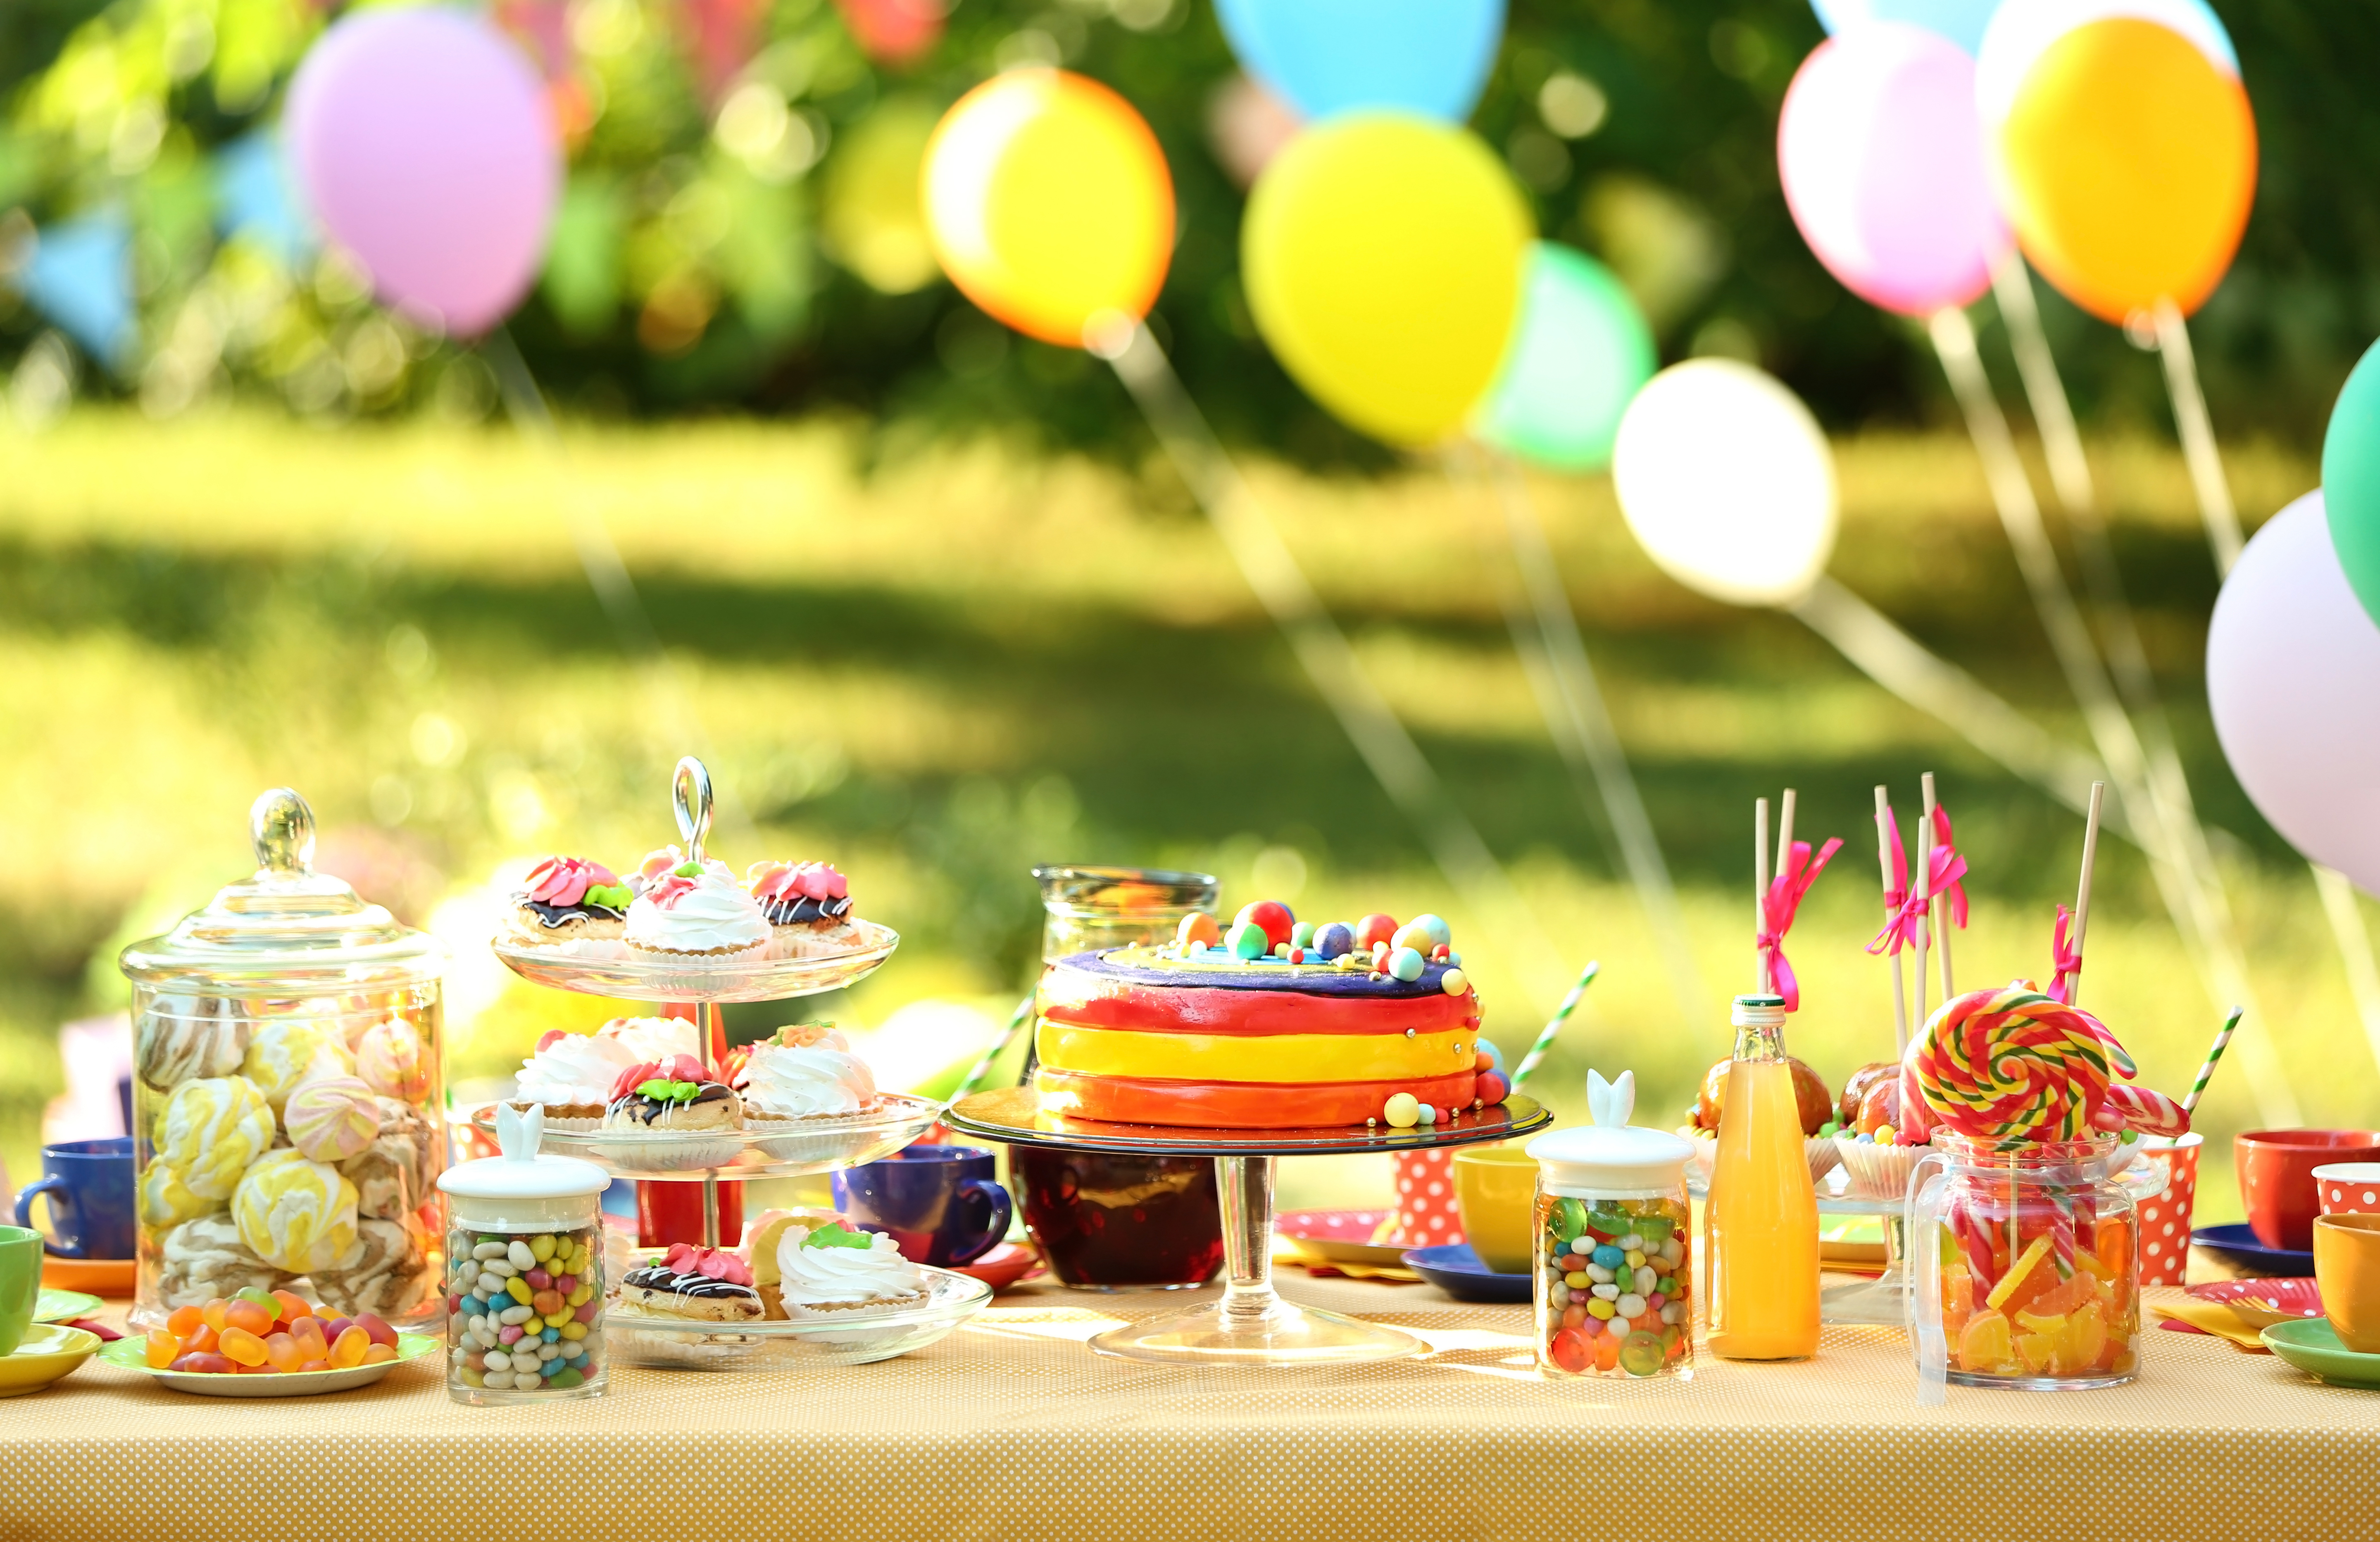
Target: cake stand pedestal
1251	1325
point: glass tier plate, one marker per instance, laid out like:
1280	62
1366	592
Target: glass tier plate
852	1338
741	979
1013	1115
785	1149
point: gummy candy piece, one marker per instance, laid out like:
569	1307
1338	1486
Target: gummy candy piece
206	1364
1570	1351
249	1317
2018	1271
211	1312
182	1321
259	1294
1641	1353
160	1349
349	1348
242	1347
312	1344
1985	1345
293	1305
378	1331
317	1364
204	1341
337	1326
379	1354
282	1350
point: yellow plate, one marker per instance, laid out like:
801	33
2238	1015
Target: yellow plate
50	1352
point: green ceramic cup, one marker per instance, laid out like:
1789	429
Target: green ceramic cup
20	1283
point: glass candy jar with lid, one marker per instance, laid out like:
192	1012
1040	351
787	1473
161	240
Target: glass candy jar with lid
1614	1243
525	1272
288	1111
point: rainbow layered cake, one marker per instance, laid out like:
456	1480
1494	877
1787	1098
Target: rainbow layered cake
1278	1025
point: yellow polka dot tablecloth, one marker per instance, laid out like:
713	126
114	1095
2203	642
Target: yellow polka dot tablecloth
1012	1431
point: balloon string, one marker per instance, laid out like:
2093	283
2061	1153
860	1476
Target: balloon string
1329	659
607	575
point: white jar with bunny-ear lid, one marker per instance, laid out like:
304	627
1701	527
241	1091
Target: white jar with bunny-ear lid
1614	1243
525	1272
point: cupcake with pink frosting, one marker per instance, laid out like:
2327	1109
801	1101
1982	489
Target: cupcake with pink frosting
808	906
569	898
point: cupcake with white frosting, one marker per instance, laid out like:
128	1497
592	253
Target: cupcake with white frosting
695	917
797	1078
571	1075
827	1270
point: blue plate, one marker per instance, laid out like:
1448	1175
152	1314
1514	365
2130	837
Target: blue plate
2235	1244
1457	1270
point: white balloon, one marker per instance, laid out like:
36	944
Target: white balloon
2021	30
2292	677
1727	481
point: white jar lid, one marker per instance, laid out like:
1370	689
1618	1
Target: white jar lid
522	1172
1611	1153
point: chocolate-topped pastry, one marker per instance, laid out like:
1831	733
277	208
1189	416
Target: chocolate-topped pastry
808	906
671	1116
567	899
688	1281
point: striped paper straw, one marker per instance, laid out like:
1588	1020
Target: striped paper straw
1561	1014
2222	1039
1023	1014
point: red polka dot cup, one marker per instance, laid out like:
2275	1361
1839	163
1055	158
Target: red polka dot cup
2276	1177
2164	1220
1426	1214
2347	1188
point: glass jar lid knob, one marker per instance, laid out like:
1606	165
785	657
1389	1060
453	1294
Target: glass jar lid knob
281	825
690	792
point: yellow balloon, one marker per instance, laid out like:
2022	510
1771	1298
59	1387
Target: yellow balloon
1048	202
2128	160
1382	254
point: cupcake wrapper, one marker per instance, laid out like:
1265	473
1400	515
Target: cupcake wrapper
1878	1172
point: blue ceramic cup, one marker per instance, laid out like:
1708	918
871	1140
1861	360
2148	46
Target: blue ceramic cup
88	1184
939	1203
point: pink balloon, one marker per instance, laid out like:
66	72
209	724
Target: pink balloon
424	143
1882	157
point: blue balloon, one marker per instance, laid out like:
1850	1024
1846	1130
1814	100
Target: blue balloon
1961	21
1326	56
80	278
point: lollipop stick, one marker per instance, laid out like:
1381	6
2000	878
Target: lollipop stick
1784	835
1760	890
1919	877
1561	1014
1891	953
2083	893
2213	1053
1938	912
974	1078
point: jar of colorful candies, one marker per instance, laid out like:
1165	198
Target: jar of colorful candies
525	1272
1614	1262
288	1120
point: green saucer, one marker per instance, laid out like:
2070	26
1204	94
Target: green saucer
2313	1347
64	1306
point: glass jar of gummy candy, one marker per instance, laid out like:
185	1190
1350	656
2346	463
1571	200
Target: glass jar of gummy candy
1613	1251
2026	1262
524	1285
288	1111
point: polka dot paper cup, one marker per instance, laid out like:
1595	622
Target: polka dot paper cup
1427	1216
2164	1220
2347	1188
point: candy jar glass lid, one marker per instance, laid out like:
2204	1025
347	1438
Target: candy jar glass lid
523	1176
285	924
1610	1153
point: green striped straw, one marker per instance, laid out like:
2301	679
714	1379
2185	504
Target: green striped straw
2222	1038
1561	1014
1017	1022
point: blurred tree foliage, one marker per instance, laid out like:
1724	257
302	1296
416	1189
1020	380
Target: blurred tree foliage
740	229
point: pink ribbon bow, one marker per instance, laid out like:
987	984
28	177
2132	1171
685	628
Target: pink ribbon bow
1776	908
2065	958
1905	912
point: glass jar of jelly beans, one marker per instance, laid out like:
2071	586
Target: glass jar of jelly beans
524	1286
1613	1265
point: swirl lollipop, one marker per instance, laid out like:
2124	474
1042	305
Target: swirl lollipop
2014	1066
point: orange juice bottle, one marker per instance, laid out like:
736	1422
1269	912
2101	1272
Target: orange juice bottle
1761	1223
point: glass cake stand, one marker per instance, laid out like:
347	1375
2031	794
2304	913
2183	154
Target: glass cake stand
1251	1325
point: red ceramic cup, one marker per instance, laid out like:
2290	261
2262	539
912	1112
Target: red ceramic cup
2277	1178
2347	1188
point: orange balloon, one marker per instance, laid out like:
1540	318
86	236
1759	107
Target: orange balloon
1047	201
2129	162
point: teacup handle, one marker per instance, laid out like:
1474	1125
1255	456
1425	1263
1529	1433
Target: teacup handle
59	1196
1001	1208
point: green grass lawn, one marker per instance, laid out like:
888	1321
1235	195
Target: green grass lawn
958	662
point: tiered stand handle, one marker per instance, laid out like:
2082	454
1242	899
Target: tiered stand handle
1251	1325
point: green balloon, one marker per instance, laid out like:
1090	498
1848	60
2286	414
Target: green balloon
1580	352
2350	478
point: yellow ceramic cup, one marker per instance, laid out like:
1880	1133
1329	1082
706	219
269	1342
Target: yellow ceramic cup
1496	1193
2346	1266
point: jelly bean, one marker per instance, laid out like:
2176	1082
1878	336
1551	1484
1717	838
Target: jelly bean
1609	1257
160	1349
378	1355
556	1319
509	1333
249	1317
182	1321
1630	1306
538	1278
293	1306
1577	1280
1607	1351
349	1348
574	1329
242	1347
211	1313
541	1247
1575	1317
1598	1308
518	1290
204	1364
579	1294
